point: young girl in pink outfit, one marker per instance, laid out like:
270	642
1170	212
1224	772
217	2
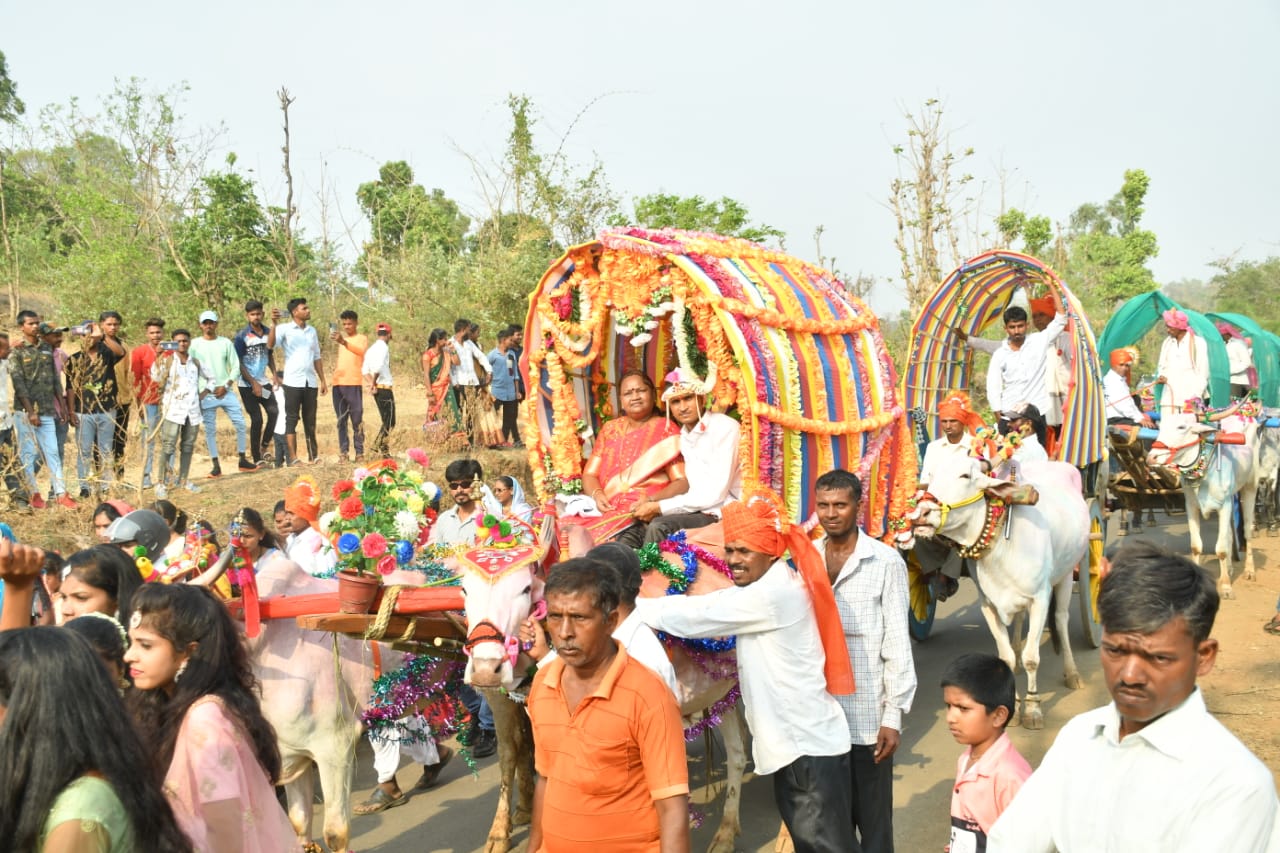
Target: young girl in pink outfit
196	698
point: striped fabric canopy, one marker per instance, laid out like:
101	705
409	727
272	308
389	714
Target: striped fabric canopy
797	359
972	299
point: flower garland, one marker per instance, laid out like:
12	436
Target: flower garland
809	325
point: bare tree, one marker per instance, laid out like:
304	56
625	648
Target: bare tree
290	212
928	202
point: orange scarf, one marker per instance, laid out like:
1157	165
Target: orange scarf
757	522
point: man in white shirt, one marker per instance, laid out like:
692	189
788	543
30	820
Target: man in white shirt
709	444
869	580
180	378
1121	409
8	447
377	373
463	376
791	660
1017	370
1239	359
303	375
958	421
1183	367
1153	770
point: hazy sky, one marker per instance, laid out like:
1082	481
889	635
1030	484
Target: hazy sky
791	108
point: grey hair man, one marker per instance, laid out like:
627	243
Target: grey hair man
1153	770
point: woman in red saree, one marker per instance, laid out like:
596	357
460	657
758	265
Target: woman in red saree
438	357
636	457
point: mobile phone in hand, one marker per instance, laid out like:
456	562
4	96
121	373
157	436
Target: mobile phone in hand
168	346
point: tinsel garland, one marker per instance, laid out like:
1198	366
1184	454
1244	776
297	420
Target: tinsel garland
678	580
395	693
712	717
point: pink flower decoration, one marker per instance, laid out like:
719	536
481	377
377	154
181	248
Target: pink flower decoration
373	545
360	473
386	564
417	454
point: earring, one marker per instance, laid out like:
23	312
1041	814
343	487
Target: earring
182	667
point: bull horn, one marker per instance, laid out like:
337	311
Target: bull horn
210	575
1225	413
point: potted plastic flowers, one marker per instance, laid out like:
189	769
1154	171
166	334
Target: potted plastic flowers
383	517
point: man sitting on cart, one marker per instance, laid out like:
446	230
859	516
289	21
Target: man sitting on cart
1121	408
958	421
709	444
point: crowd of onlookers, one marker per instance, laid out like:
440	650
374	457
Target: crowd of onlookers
265	379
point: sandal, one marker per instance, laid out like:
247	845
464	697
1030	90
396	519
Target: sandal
379	801
1273	627
431	772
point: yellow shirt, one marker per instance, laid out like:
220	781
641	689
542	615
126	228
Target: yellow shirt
350	361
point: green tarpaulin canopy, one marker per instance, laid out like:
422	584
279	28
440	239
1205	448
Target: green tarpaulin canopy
1266	354
1142	313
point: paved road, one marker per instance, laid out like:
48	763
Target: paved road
456	815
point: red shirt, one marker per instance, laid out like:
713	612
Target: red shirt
145	389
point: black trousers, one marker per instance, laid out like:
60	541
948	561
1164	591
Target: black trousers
385	400
260	429
510	428
872	799
300	404
664	525
814	798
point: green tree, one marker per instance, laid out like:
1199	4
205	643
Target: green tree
1107	250
1036	232
404	216
694	213
11	105
1251	288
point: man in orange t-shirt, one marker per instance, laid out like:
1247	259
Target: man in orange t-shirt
348	383
608	741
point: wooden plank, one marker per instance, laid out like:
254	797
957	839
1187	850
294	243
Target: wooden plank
411	601
355	624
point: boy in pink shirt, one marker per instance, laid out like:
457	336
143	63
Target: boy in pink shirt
979	694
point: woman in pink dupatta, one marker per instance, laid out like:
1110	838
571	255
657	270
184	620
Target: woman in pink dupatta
195	699
636	457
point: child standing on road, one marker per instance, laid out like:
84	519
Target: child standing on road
979	694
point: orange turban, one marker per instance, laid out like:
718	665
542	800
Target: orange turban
958	408
303	499
1043	305
758	521
1124	355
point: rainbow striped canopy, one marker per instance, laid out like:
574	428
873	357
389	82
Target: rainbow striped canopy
972	299
796	358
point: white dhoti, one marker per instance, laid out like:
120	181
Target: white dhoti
409	735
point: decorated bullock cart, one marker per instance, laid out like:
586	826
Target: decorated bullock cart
969	302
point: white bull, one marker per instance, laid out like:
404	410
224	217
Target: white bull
1213	473
316	714
1020	572
1268	506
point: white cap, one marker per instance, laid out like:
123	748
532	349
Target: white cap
209	315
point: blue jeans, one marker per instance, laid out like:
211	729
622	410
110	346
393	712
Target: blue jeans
46	436
229	403
477	705
97	429
150	435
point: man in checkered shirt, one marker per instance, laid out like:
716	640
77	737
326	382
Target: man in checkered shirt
870	583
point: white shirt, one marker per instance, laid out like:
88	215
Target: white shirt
469	355
310	550
1185	366
1031	450
1183	783
1018	376
1115	388
938	451
644	646
711	466
301	348
377	362
780	662
180	388
6	397
1240	359
871	593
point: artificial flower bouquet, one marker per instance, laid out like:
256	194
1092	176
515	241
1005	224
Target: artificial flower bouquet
384	516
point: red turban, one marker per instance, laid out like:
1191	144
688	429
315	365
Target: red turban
758	522
1043	305
1175	319
958	408
303	499
1124	355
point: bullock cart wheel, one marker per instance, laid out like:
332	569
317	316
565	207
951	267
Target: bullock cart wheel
1089	575
921	603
